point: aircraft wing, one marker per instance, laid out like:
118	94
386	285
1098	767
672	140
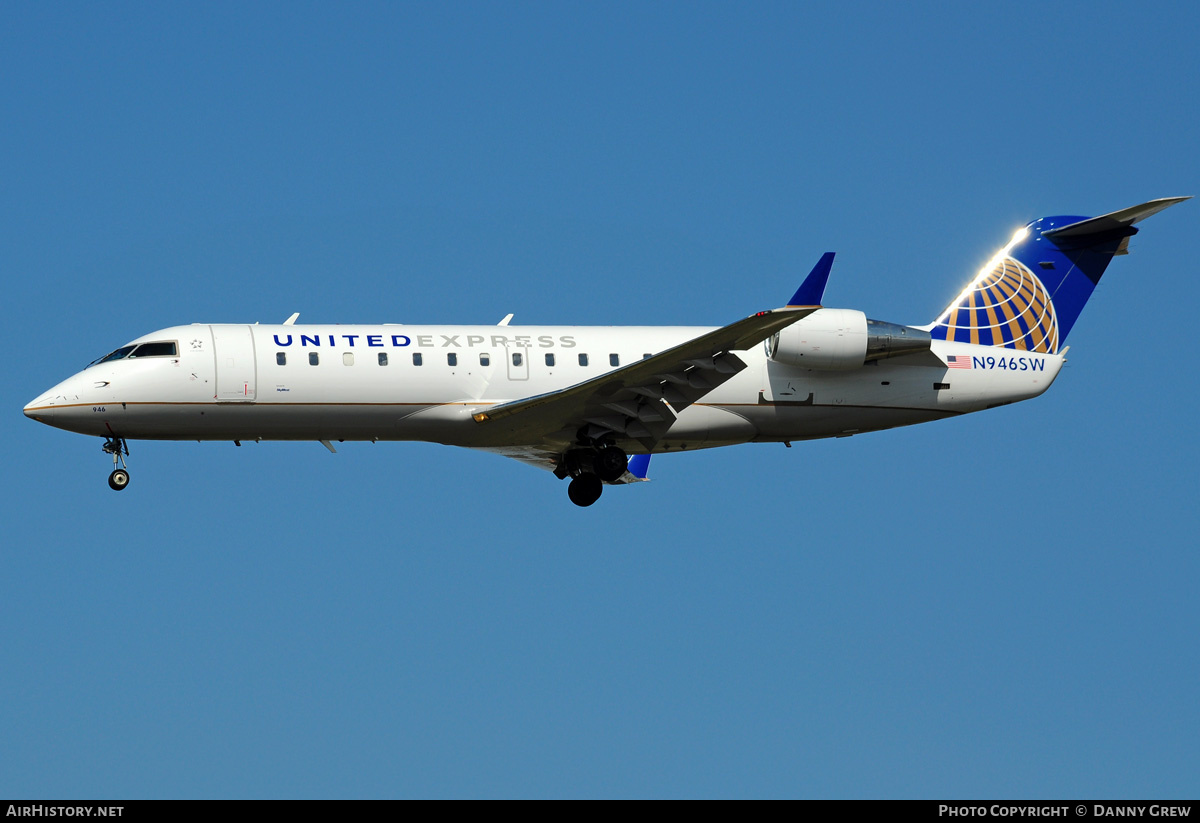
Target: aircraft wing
639	401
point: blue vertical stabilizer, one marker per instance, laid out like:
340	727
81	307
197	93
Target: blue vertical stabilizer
1030	295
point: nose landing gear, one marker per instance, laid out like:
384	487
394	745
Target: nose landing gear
119	449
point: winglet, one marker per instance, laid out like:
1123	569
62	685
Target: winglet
639	466
812	290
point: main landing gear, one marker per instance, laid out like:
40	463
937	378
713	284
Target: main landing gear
117	447
590	469
585	489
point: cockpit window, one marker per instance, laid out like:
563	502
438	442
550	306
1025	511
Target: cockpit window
165	349
116	355
155	349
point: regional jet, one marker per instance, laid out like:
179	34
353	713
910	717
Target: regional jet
593	403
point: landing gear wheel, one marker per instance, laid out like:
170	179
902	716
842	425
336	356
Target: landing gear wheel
585	489
610	463
119	449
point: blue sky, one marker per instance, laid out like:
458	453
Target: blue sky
1000	605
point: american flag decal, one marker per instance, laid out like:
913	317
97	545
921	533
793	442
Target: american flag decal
958	361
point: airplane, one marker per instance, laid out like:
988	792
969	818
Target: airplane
593	403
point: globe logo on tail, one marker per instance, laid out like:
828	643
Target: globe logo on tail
1005	306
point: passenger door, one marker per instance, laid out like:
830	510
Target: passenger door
236	368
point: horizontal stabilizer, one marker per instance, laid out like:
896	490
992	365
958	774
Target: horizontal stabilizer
1106	223
812	290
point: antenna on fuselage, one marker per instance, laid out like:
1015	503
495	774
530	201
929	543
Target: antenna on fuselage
504	322
291	320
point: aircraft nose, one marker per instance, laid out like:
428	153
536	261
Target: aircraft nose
31	408
56	405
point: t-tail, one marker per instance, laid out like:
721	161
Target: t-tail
1030	294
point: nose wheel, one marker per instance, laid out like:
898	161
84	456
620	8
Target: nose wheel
119	449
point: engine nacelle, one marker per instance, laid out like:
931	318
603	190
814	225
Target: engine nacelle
826	339
833	339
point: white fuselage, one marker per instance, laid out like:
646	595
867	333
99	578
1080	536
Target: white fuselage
243	382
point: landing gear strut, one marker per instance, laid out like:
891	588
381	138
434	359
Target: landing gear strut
117	447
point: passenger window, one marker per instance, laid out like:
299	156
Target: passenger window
313	358
281	358
583	359
383	358
485	360
613	360
451	359
517	358
416	358
348	358
550	360
647	356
